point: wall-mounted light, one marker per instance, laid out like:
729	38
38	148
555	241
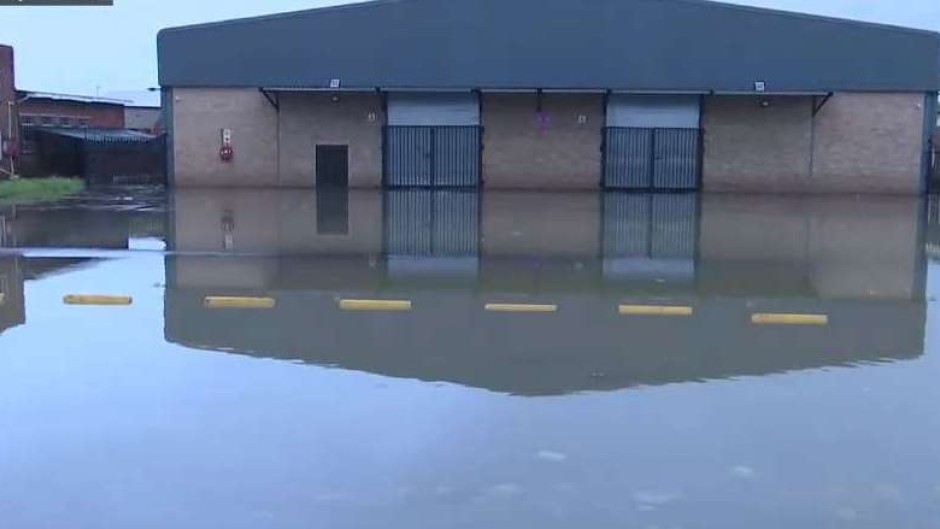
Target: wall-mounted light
334	98
372	117
582	119
765	103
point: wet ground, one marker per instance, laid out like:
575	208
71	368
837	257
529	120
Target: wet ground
447	359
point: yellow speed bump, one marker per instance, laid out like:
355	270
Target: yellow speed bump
517	307
655	310
95	299
789	319
389	305
235	302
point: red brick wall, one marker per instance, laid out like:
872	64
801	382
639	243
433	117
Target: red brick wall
102	115
7	96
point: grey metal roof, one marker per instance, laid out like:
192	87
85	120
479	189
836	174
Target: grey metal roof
551	44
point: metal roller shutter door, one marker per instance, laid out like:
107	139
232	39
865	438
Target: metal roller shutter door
652	142
433	140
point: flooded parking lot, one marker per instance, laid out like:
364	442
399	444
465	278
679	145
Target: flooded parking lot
435	359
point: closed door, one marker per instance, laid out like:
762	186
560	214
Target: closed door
332	166
433	140
409	156
652	142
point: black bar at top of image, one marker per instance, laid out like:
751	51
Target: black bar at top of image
72	3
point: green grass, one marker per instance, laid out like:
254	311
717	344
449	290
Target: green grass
32	190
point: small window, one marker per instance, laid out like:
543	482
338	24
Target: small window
28	121
84	123
47	121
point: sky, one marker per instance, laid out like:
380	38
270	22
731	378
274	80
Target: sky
100	50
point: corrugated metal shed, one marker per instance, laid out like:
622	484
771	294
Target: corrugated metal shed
101	135
654	45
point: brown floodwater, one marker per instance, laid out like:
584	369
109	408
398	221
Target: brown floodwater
437	359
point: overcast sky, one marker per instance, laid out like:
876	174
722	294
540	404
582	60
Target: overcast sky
83	50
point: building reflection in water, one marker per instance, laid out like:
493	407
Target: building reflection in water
15	271
859	261
77	227
12	303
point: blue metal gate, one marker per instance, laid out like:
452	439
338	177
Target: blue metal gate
432	156
650	159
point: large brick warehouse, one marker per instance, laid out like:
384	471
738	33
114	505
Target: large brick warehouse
551	94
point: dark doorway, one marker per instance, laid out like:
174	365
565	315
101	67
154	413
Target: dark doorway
332	166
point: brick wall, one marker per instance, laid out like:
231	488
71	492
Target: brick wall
558	153
307	120
99	115
869	143
753	148
199	115
7	96
857	143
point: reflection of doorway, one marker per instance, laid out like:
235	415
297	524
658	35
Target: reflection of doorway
332	166
332	211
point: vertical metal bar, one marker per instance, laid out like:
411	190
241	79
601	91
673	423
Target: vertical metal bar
384	156
432	136
481	135
652	155
605	104
700	145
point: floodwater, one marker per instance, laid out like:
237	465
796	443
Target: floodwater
547	361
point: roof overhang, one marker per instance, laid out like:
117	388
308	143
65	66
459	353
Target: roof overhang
807	93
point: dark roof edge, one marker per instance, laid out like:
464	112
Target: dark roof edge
559	90
364	4
809	16
355	4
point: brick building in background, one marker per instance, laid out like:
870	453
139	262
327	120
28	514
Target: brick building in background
40	111
26	113
8	122
88	137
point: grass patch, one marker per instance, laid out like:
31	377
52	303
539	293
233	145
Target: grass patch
32	190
